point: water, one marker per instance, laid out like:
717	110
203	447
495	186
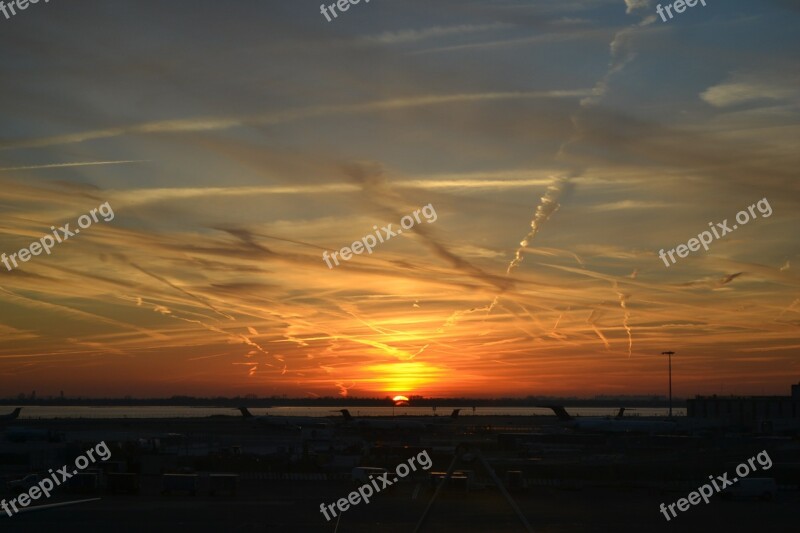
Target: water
198	412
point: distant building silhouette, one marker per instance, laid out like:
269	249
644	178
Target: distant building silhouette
750	412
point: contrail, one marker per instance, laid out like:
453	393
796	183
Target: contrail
544	210
179	289
548	205
554	332
591	320
623	303
77	164
194	125
372	182
456	315
790	308
621	53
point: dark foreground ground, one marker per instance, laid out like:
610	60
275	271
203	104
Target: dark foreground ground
263	504
294	507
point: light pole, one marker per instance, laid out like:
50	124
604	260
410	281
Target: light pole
670	354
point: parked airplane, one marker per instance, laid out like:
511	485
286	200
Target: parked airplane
446	420
296	422
617	424
381	423
7	418
435	420
12	415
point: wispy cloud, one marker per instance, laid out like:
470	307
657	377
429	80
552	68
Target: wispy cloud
69	165
414	35
743	89
217	124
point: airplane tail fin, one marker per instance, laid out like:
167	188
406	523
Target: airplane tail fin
245	412
621	412
560	412
12	415
455	413
346	414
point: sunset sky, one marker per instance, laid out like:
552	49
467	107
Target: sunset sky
237	141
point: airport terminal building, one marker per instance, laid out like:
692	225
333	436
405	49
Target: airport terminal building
750	412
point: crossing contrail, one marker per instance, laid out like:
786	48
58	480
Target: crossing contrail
77	164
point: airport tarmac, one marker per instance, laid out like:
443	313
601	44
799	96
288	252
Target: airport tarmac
294	507
263	503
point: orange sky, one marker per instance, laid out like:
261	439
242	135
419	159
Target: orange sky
234	158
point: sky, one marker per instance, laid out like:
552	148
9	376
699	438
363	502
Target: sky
558	144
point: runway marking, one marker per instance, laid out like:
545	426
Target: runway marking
51	505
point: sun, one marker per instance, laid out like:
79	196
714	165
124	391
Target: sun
400	400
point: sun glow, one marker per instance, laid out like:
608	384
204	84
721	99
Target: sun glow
409	377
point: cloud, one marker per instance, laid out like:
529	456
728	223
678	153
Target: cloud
636	4
69	165
630	204
406	36
196	125
622	53
741	89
